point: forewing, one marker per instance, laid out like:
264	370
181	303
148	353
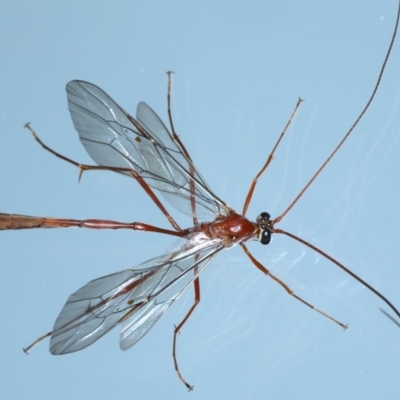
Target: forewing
146	292
115	139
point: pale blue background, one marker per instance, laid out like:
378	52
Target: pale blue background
239	68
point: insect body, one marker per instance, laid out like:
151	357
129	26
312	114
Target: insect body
144	149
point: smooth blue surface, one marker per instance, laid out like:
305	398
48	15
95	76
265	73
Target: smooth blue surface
239	69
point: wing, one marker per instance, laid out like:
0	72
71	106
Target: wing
138	324
115	139
135	297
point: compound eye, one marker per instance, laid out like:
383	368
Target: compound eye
264	221
265	237
265	215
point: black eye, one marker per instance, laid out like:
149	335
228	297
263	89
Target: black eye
262	219
265	237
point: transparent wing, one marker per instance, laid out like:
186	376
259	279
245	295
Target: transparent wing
113	138
135	297
137	325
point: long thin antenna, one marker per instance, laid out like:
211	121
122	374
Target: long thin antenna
355	123
327	256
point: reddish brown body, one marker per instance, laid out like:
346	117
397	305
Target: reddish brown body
233	229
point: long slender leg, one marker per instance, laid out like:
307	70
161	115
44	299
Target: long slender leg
196	282
287	288
185	152
270	158
38	340
16	221
84	167
155	199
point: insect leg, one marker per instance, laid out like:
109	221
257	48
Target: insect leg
270	158
38	340
185	152
196	284
288	289
16	221
84	167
